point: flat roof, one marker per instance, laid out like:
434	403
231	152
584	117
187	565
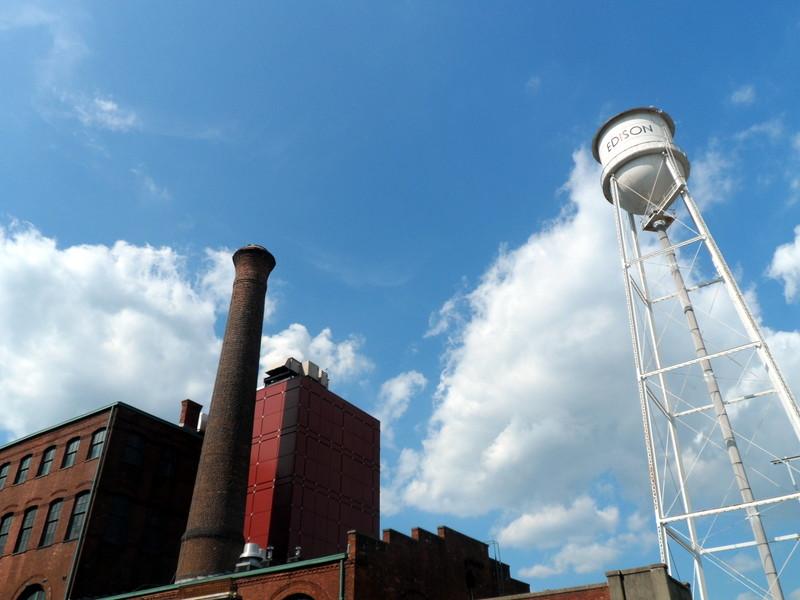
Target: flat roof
300	564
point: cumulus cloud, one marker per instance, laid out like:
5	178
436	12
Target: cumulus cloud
394	397
89	325
537	401
543	354
395	478
551	524
785	266
744	95
343	360
585	553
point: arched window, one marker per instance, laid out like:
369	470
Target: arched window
78	516
51	523
24	467
47	461
5	527
298	597
96	446
25	531
33	592
71	453
4	475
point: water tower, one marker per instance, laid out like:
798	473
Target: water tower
721	427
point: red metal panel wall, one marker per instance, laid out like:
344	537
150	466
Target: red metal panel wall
323	473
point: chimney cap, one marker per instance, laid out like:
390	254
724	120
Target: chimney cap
258	250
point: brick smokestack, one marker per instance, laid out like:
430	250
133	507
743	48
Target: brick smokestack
213	539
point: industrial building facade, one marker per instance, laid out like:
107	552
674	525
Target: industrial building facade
314	467
82	501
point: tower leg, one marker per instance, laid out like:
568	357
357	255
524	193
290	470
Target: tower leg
726	429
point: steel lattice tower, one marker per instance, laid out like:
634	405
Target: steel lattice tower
721	427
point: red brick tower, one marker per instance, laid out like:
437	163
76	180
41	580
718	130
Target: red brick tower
314	467
213	538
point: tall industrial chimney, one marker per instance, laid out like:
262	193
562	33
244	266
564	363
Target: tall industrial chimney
213	538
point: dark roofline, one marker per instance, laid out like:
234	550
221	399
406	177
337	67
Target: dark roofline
301	564
92	413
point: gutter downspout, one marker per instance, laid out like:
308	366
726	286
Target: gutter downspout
92	494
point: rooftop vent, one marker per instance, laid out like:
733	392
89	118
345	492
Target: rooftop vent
292	368
253	557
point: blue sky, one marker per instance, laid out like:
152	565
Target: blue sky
421	173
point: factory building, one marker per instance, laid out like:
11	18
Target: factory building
314	466
83	501
119	503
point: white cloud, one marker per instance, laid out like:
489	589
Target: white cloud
712	178
395	479
343	360
67	47
394	397
744	95
537	401
578	558
102	113
550	525
533	85
785	266
85	326
770	130
150	187
542	357
89	325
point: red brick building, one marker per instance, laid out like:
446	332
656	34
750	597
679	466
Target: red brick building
82	501
425	566
314	467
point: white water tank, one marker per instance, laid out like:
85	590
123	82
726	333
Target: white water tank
631	147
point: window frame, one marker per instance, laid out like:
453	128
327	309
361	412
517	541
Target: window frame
6	520
71	455
4	469
25	530
95	445
48	536
47	461
73	531
23	469
33	592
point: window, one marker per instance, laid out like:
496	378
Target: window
5	527
25	532
78	516
133	452
51	523
3	475
71	453
47	461
33	592
24	467
96	446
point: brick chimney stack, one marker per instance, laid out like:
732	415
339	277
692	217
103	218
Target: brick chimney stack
213	539
190	414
